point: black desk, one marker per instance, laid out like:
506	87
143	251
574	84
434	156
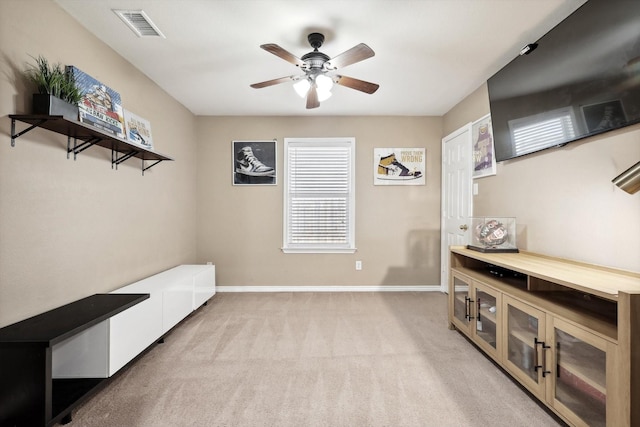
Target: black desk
28	394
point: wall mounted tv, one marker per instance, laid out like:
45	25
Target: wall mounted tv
582	79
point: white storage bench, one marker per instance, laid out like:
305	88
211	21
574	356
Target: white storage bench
103	349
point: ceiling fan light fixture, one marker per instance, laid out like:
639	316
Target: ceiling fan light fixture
302	87
325	83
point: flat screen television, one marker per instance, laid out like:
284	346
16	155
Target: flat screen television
582	79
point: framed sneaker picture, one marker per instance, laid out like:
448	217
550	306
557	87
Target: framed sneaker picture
399	166
254	162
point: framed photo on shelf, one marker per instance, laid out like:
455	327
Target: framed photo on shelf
484	160
138	130
399	166
254	162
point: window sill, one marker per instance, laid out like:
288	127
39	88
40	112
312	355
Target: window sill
319	250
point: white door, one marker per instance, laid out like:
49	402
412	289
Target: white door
457	199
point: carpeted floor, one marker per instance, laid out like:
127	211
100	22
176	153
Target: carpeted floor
314	359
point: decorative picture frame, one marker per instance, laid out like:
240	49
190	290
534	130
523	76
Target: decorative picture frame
399	166
604	115
254	162
138	130
484	159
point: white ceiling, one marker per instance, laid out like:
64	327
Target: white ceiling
430	54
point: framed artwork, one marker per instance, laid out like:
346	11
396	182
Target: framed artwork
399	166
605	115
138	130
484	160
254	162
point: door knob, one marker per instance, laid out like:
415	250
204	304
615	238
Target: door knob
464	227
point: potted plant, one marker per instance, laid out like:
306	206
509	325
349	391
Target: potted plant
58	94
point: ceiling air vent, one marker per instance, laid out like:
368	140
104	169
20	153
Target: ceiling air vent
139	23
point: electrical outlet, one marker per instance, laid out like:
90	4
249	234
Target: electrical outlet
358	265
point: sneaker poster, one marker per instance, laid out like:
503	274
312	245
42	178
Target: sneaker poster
254	162
399	166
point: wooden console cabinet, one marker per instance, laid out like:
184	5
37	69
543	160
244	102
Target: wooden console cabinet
567	331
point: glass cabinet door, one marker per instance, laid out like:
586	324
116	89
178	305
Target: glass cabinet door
580	381
487	318
525	351
461	301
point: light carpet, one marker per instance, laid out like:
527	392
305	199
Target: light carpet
314	359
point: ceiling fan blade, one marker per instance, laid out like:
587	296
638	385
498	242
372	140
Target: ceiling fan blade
312	97
355	54
280	52
356	84
273	82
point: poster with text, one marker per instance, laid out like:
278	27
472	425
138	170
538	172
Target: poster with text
138	130
399	166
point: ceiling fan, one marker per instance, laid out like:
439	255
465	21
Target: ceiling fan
316	82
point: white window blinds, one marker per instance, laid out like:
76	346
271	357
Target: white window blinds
319	195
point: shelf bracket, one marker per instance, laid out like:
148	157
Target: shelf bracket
15	135
150	166
115	160
77	149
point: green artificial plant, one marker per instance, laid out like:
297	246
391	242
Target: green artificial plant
52	79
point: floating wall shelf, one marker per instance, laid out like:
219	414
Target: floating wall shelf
81	136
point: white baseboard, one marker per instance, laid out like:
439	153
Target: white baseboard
381	288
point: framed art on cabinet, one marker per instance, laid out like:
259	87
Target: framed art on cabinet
484	160
254	162
399	166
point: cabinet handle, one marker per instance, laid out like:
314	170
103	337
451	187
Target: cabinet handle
467	314
544	359
558	360
544	356
535	354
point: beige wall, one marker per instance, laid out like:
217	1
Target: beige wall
68	228
563	199
397	228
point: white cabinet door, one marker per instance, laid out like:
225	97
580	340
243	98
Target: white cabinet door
133	330
177	300
204	285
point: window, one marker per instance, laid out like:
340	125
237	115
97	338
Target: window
319	199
